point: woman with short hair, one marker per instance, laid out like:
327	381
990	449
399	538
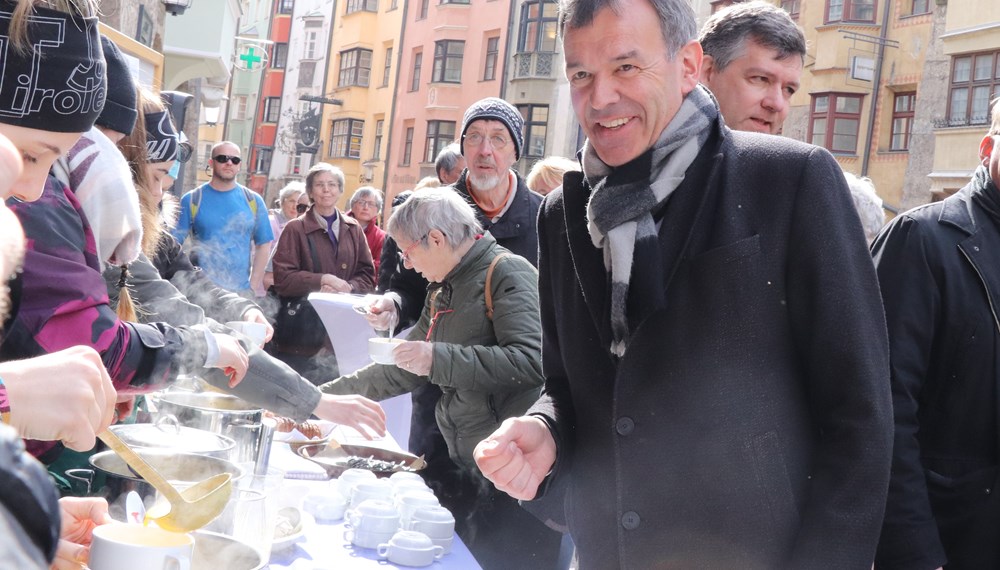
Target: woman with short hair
487	366
365	207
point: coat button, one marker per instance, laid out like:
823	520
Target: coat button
625	426
343	266
630	520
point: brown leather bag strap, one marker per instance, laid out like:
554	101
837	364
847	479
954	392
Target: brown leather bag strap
489	288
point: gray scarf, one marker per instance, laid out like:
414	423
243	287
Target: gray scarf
620	211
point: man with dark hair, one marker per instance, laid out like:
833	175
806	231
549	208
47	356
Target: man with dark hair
753	61
449	164
714	346
937	266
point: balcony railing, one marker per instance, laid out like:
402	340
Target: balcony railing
533	64
961	122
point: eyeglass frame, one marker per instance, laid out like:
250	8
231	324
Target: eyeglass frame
367	203
404	255
497	142
224	158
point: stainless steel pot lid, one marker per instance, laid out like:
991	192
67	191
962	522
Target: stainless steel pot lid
168	435
208	400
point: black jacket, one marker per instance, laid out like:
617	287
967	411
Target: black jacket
748	424
939	269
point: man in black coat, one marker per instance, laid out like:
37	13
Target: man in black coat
940	278
717	391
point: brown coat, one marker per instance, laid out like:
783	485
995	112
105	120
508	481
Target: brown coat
294	274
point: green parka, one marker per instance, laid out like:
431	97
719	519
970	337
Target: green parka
487	370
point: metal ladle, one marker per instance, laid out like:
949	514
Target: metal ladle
185	510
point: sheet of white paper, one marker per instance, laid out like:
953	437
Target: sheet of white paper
349	333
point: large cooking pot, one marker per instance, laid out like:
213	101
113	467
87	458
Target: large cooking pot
169	436
112	479
218	413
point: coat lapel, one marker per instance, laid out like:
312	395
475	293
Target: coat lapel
588	261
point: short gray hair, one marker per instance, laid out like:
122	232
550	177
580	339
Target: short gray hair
867	203
447	159
364	192
725	34
293	187
319	167
677	20
434	209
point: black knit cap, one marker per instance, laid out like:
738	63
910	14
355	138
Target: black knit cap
492	108
59	85
120	111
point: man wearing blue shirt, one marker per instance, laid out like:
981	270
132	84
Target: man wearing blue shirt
229	223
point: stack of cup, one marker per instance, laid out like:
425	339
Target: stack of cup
377	489
371	523
351	477
410	548
434	521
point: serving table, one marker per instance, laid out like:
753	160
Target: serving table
322	545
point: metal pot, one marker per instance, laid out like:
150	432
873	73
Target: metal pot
218	413
167	435
112	479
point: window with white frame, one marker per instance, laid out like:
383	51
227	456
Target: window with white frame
345	138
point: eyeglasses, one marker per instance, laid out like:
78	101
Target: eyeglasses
224	158
301	208
367	203
405	254
498	142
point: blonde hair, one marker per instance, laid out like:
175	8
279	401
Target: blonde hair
18	31
427	182
549	172
133	147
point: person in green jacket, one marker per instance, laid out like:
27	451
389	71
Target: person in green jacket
488	367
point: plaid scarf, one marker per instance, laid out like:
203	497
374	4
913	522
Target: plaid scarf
620	211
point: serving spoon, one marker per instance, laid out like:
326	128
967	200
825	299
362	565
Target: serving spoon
183	511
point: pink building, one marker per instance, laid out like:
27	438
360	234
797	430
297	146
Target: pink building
452	55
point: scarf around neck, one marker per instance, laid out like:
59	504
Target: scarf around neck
620	210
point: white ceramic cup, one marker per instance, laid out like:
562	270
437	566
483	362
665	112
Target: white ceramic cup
374	516
400	476
410	548
351	477
366	539
379	489
327	507
380	349
434	521
407	485
444	543
411	500
128	546
256	332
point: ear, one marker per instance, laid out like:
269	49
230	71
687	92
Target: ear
690	58
986	149
436	237
707	69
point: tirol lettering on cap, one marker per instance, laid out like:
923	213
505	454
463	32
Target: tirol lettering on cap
161	137
58	84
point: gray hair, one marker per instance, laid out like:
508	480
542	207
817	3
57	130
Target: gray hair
867	203
447	159
677	20
439	209
725	34
364	192
293	187
319	167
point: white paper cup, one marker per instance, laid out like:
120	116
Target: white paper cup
256	332
128	546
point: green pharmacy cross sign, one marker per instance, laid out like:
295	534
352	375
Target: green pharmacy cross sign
250	61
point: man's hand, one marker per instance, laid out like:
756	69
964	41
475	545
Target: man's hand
353	411
333	284
518	456
382	314
256	316
414	356
232	358
79	518
65	396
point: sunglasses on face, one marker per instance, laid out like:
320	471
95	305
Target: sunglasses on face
224	158
301	208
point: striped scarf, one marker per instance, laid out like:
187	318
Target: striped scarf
620	211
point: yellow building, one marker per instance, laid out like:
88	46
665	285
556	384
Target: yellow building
362	72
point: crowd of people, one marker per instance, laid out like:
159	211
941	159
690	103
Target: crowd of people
677	350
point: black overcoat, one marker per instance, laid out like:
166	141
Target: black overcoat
748	424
